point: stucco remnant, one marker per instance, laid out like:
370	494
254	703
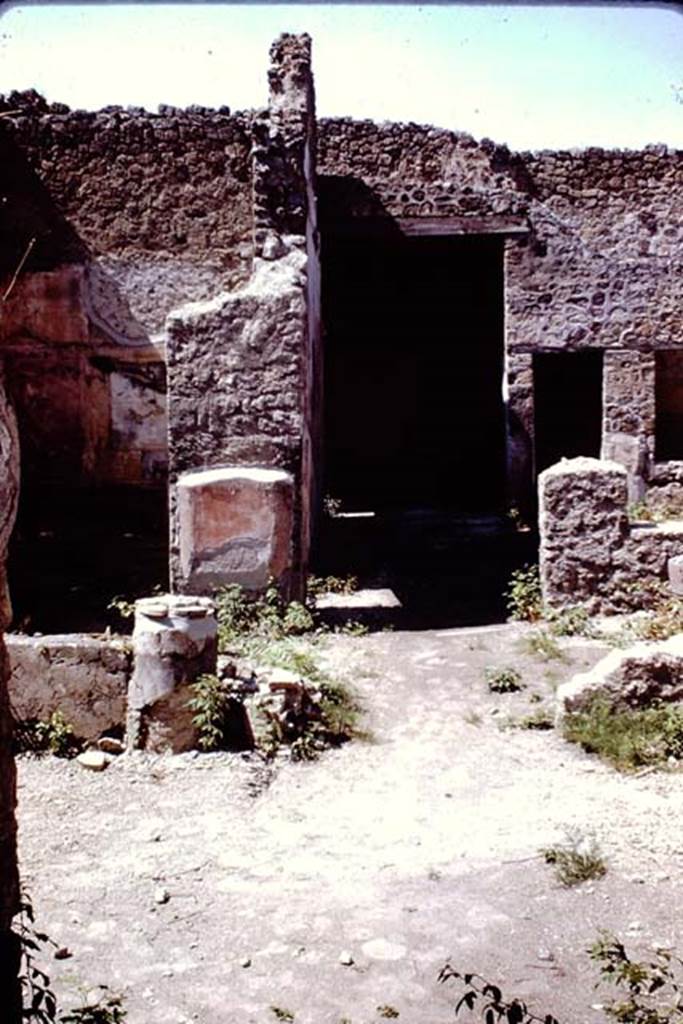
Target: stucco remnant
235	526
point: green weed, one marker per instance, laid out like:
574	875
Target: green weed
648	992
503	680
577	860
523	596
52	736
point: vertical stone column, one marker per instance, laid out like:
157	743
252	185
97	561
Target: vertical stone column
10	993
174	642
519	385
628	419
243	369
583	526
284	208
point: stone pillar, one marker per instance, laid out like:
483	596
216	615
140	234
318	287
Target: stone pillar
583	526
174	642
234	526
628	419
10	992
519	393
242	368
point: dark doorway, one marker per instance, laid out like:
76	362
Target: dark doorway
568	405
668	405
414	438
413	372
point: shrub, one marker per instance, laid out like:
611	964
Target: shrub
503	680
52	736
629	738
523	596
211	703
577	860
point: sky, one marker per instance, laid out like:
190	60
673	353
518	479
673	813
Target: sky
533	76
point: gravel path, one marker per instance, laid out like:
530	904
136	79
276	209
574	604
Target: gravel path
213	888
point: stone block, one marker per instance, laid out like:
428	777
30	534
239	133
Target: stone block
84	677
174	642
634	677
675	573
583	525
235	526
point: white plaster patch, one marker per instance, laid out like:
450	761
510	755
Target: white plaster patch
138	413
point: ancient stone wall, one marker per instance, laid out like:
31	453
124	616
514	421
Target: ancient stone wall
237	365
416	171
161	201
599	264
84	677
122	216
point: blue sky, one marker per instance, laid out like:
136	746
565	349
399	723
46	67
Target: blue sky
532	76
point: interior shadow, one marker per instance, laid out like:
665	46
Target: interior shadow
444	569
414	420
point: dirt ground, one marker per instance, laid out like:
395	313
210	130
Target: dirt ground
212	888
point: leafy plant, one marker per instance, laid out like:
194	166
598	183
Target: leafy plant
38	999
577	860
653	994
107	1010
524	599
481	994
664	620
53	736
503	680
640	512
649	991
628	738
211	703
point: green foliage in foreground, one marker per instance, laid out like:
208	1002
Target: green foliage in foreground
523	596
52	736
628	739
503	680
39	1001
577	860
648	992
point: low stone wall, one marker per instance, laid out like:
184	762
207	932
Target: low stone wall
84	677
639	676
589	553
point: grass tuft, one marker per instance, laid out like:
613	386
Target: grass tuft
577	860
628	739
